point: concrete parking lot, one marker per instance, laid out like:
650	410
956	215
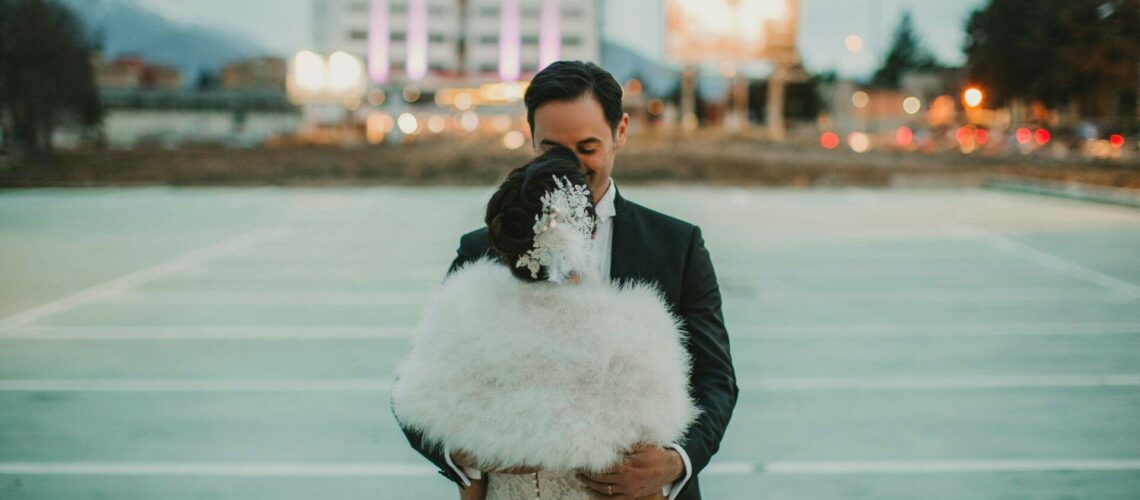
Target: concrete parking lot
166	343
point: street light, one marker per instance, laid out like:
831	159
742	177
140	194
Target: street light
973	97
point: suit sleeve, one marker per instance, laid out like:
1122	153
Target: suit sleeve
713	378
435	454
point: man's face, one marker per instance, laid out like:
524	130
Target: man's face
581	126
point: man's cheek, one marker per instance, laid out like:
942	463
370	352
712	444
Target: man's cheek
595	167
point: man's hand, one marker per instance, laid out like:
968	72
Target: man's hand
644	471
477	490
464	460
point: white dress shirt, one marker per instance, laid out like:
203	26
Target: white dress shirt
603	253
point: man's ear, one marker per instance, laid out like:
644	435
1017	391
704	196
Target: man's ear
620	133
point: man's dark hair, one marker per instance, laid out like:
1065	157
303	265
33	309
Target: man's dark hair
570	80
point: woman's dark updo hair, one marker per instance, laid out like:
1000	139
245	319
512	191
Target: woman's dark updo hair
512	209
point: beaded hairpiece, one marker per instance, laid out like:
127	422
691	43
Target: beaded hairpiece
562	233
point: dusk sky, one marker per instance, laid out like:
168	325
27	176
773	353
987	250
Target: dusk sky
283	26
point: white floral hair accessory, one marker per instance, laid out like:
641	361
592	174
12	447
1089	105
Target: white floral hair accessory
562	234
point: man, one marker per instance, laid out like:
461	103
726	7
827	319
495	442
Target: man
578	105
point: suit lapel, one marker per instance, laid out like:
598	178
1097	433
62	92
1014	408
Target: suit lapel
623	251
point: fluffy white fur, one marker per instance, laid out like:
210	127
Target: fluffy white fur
560	377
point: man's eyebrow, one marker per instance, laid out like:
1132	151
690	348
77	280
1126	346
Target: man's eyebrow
583	142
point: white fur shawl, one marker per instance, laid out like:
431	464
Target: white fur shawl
560	377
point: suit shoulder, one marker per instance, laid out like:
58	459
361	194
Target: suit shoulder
476	242
664	222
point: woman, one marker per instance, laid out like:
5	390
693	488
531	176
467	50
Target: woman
535	362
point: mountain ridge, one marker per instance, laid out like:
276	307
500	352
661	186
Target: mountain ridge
125	28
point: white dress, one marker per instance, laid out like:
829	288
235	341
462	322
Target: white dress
547	484
562	486
555	376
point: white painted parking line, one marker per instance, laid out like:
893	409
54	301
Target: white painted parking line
196	385
1044	259
938	295
946	466
285	298
803	384
181	333
141	277
241	469
793	331
893	330
273	297
794	384
216	469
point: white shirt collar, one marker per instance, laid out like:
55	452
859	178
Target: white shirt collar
605	207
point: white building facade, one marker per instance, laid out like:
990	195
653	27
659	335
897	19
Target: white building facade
445	42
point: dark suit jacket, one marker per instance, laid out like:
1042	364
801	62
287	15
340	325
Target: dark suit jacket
650	246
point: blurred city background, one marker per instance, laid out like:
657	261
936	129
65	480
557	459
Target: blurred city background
824	92
219	220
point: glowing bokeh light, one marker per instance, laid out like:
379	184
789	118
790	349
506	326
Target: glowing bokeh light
859	142
469	121
463	101
417	39
408	123
904	136
411	93
633	87
1024	135
376	97
972	97
514	139
309	71
860	99
436	124
510	41
345	72
981	136
374	127
1042	136
829	140
550	34
965	135
378	39
655	107
1117	141
912	105
854	43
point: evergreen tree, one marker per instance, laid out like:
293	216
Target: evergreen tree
906	54
1058	52
46	74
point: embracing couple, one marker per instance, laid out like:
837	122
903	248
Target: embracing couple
577	348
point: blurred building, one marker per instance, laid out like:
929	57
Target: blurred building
518	38
925	98
147	104
263	73
443	41
169	118
131	72
429	29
